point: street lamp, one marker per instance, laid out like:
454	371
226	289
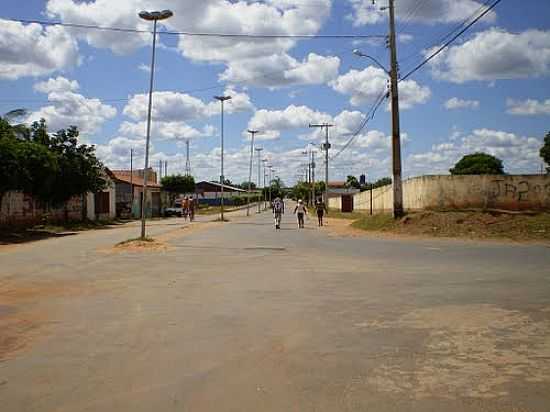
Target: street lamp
222	99
153	16
252	134
359	53
259	151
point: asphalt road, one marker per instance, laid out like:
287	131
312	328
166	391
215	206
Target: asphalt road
239	317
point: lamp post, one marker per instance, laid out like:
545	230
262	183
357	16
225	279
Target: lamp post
252	134
259	152
153	16
222	99
264	161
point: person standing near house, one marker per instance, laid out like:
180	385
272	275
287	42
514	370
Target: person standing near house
278	207
321	208
191	208
300	210
185	207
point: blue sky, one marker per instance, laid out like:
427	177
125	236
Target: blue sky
489	91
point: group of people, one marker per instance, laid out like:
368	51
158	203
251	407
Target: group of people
278	208
188	206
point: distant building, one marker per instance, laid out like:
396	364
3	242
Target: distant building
339	188
210	193
129	189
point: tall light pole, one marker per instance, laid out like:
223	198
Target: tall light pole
264	162
252	134
259	152
153	16
326	147
270	167
222	99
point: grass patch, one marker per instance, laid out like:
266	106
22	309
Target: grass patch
136	239
375	223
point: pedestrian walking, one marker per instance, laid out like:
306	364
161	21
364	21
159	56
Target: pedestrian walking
300	210
321	208
278	207
191	208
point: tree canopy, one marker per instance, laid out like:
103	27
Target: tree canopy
478	164
545	151
52	167
178	184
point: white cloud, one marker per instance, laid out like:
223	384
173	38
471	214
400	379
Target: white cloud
431	12
31	50
519	154
366	85
495	54
456	103
176	130
280	70
169	106
145	68
69	108
405	38
245	58
116	153
529	107
272	122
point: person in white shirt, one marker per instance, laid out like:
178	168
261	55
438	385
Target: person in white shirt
300	210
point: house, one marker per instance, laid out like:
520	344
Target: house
101	205
210	193
129	189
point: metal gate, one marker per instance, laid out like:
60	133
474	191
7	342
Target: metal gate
347	203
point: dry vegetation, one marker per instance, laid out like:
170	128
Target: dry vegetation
463	224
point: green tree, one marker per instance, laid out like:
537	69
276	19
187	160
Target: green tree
478	164
352	182
385	181
178	184
545	151
244	185
80	171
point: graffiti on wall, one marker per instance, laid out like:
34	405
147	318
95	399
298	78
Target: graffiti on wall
521	192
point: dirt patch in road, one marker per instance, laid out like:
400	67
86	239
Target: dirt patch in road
20	317
474	351
342	228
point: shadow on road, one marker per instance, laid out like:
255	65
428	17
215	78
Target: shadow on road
26	236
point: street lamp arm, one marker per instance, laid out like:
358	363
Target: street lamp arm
360	54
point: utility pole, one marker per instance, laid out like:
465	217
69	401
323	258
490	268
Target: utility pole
264	161
222	99
252	134
258	151
166	168
326	147
396	136
131	180
312	177
187	161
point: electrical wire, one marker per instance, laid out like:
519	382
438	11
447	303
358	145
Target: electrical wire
449	42
200	34
447	35
368	116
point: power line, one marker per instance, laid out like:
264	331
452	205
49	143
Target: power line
200	34
368	116
434	54
446	36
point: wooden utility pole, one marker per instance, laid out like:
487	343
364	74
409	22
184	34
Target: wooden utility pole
252	134
326	147
396	136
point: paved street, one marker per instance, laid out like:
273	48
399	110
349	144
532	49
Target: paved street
238	317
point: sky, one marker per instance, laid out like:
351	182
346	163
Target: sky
489	91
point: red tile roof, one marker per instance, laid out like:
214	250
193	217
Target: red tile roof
125	176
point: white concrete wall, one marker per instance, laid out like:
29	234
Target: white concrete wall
508	192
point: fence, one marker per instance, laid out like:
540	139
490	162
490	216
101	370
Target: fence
507	192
